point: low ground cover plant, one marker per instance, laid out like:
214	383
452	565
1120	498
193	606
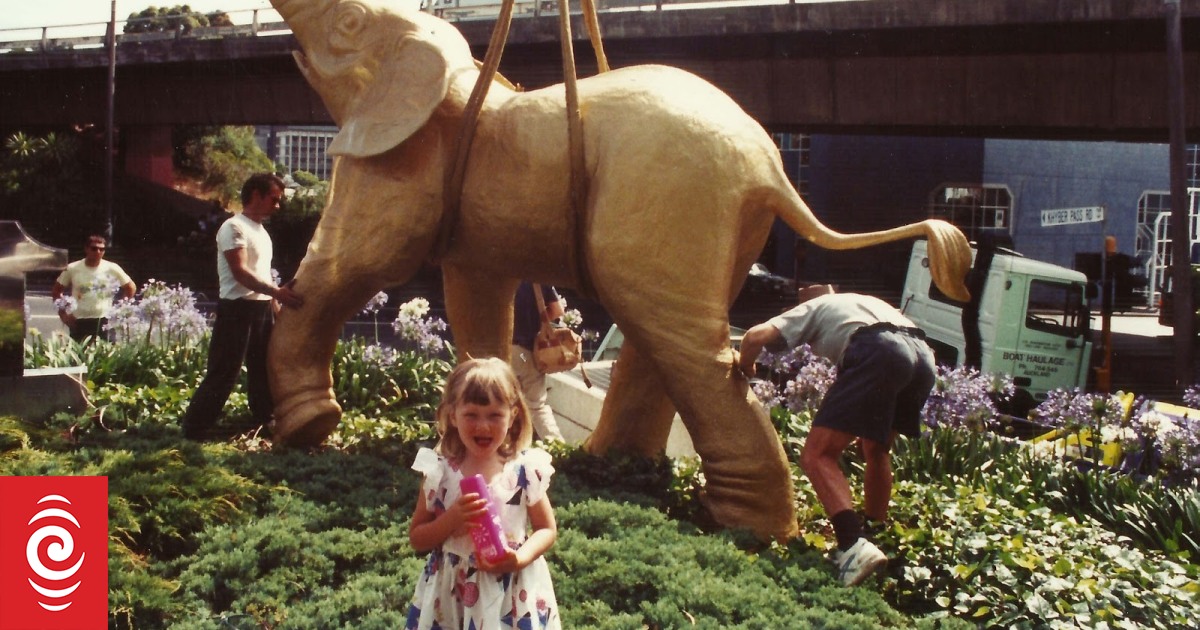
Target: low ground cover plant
986	530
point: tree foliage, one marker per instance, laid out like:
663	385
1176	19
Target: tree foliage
43	185
223	157
179	18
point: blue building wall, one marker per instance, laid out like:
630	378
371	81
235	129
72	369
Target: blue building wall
860	183
1043	175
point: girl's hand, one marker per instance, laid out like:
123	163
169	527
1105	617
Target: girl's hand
467	508
507	563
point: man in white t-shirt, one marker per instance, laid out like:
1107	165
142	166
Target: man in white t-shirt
245	311
92	283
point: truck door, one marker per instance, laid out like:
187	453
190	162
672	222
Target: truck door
1053	349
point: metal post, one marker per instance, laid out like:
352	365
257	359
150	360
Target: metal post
108	127
1181	238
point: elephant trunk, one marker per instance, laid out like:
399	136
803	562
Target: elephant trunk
301	351
306	410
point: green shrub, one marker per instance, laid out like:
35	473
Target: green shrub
985	531
1002	564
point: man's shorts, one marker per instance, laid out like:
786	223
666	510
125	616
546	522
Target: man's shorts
883	380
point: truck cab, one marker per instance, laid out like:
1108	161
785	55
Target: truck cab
1033	321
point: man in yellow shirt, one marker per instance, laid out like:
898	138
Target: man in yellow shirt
91	283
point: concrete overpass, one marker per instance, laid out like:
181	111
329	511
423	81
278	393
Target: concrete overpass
1089	69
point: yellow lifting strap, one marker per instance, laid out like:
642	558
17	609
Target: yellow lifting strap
576	221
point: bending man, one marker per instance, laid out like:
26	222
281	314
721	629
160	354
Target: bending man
885	373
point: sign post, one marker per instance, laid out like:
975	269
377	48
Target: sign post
1094	214
1069	216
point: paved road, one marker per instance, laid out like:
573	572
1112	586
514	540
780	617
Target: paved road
42	315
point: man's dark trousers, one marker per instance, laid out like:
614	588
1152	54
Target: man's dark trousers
240	334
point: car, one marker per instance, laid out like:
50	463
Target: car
760	281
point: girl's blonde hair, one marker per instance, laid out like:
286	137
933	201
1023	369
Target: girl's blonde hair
482	382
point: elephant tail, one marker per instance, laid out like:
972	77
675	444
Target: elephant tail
949	250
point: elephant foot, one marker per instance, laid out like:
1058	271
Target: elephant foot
773	520
758	497
306	423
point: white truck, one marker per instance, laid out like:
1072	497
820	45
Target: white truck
1028	319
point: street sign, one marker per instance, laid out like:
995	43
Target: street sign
1067	216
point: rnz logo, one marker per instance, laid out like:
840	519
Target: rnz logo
60	551
54	547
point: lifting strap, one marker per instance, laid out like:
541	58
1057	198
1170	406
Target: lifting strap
576	219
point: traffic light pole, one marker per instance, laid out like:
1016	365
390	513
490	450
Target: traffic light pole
108	127
1181	238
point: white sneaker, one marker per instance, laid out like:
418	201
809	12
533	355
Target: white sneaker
859	561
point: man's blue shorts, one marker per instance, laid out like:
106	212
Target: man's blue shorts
883	380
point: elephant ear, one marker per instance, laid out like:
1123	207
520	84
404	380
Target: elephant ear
409	82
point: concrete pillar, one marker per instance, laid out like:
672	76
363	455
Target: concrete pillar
148	153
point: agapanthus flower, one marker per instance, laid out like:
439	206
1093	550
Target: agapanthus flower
162	316
766	392
104	286
964	398
1162	442
1191	396
414	308
572	318
804	393
66	304
375	303
796	379
413	326
1073	409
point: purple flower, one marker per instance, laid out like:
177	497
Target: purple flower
66	304
163	316
375	303
964	398
413	326
798	379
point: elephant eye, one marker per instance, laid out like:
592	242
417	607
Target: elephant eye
351	19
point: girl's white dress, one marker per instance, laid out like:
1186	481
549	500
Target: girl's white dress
452	593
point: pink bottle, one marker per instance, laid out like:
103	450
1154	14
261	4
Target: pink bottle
488	536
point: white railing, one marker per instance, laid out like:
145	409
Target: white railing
1160	261
266	21
71	37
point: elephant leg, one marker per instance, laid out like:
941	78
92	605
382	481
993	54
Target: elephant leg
637	412
748	480
480	310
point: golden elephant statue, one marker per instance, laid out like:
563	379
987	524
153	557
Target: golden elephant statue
683	188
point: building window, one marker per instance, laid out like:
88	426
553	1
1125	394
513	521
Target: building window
794	149
1193	165
306	150
973	208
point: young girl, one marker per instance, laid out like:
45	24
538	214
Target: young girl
485	429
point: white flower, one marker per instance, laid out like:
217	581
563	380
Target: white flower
572	318
415	308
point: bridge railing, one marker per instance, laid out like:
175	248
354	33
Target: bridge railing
265	21
72	37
